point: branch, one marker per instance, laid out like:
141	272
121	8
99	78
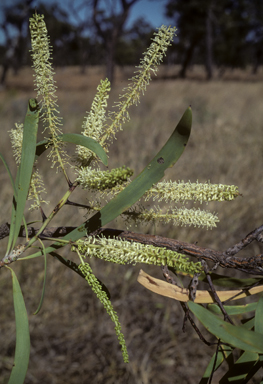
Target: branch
225	259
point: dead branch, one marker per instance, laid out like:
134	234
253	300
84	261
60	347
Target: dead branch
226	259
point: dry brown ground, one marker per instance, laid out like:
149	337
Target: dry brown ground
73	340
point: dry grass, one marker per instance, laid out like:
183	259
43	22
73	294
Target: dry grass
73	340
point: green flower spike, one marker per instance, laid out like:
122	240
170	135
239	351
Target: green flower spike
102	180
124	252
102	296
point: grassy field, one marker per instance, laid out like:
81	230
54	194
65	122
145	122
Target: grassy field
72	338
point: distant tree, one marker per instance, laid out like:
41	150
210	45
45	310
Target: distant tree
255	12
62	33
190	19
212	32
15	29
233	29
134	42
109	19
16	43
81	14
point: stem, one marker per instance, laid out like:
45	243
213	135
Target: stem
53	213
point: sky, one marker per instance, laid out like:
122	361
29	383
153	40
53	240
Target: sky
153	11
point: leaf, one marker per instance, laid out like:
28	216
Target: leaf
225	353
236	336
259	316
9	173
22	350
239	371
77	139
11	232
151	174
229	282
25	169
233	309
182	294
44	282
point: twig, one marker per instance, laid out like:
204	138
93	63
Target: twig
187	316
215	295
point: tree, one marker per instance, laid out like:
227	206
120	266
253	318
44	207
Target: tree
233	28
134	42
190	18
16	46
109	20
255	38
209	30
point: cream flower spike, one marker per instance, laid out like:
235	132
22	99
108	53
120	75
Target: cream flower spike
94	122
148	66
45	87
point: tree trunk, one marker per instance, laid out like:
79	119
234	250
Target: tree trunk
209	43
188	56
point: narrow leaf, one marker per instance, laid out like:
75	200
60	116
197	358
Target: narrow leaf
233	309
9	173
259	316
22	350
229	282
182	294
77	139
25	169
165	158
239	371
44	282
224	353
236	336
11	232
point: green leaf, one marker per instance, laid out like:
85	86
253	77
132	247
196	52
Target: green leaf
25	169
236	336
11	232
151	174
77	139
44	282
259	316
225	353
9	173
233	309
249	323
240	370
22	351
228	282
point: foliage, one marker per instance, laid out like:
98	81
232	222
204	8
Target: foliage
99	129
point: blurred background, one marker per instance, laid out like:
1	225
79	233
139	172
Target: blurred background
226	34
214	65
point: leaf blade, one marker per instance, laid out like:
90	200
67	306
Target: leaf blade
236	336
26	166
76	138
22	350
